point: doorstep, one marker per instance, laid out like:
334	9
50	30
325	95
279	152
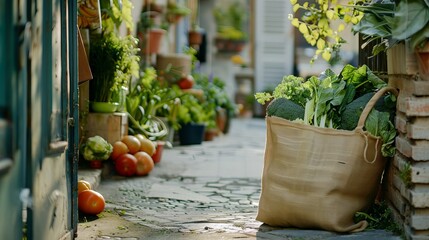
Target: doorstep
93	176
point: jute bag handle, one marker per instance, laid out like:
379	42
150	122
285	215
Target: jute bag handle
369	106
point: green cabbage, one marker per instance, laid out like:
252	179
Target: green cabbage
96	148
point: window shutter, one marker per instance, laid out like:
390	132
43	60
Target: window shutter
274	43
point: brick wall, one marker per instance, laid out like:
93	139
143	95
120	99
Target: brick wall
408	174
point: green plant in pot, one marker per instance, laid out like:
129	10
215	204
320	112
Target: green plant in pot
145	101
216	101
113	62
151	29
230	26
176	11
193	119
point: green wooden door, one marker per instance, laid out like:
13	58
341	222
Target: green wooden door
38	105
13	95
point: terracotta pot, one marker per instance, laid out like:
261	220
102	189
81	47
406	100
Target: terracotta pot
156	157
229	45
195	38
221	118
150	44
210	134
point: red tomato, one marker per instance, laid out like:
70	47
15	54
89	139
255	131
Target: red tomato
145	163
91	202
119	148
126	165
186	82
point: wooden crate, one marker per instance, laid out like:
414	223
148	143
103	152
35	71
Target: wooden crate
110	126
401	59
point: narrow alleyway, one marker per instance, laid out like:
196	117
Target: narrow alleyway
208	191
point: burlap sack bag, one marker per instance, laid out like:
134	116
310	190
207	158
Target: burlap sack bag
318	178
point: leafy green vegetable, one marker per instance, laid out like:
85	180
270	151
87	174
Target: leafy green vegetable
96	148
378	124
327	93
362	78
285	108
336	101
291	87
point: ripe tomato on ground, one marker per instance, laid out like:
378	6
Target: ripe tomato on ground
145	163
91	202
119	148
126	165
83	185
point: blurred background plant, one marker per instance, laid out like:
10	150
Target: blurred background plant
315	24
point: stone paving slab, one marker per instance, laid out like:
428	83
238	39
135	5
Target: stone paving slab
176	192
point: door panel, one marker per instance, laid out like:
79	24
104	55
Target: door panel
12	116
38	83
50	182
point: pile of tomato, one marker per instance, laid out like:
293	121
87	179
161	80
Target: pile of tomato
89	201
132	155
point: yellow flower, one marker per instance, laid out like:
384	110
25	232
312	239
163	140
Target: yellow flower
237	59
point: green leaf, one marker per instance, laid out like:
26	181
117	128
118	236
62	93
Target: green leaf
411	16
378	124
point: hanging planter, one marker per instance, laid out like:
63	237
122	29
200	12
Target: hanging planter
195	37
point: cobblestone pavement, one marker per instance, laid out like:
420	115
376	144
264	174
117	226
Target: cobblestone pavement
208	191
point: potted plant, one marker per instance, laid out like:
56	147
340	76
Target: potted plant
149	30
195	33
113	62
143	102
216	101
175	12
96	149
231	36
195	36
192	118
